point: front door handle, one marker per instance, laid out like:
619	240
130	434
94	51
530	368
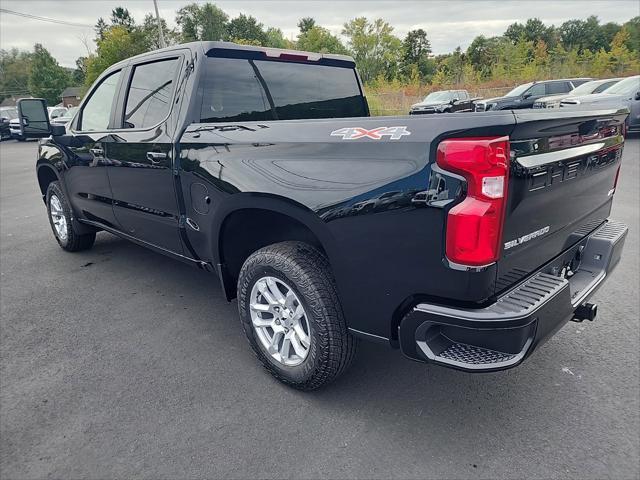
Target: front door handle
97	152
155	157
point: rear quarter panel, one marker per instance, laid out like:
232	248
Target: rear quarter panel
380	255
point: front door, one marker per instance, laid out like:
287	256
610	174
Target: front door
86	177
140	172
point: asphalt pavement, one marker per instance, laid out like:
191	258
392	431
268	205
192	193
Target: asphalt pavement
119	362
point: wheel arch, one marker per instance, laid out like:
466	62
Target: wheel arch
46	174
277	218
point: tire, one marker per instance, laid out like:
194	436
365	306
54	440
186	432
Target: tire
61	221
306	272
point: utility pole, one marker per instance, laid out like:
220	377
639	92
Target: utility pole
160	32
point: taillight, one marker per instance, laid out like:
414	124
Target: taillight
474	226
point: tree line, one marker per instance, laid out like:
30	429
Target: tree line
525	51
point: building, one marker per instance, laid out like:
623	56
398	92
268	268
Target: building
71	96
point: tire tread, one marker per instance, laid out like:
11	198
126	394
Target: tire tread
309	270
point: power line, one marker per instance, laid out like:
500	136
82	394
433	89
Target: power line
44	19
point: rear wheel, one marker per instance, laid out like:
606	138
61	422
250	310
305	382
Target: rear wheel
61	221
292	317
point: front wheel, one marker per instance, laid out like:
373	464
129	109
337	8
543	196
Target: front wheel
292	317
61	221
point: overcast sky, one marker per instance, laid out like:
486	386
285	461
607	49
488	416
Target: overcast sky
448	24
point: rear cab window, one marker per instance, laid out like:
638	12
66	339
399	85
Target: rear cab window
150	93
248	89
558	87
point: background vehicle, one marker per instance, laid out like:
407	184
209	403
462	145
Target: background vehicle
244	161
624	93
524	96
56	112
594	86
65	118
444	101
6	115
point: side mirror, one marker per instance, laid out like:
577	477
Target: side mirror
526	95
637	97
34	119
454	101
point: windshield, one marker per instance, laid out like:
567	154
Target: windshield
438	97
71	112
628	86
9	113
586	88
519	90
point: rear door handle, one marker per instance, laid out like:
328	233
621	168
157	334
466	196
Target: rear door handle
155	157
97	152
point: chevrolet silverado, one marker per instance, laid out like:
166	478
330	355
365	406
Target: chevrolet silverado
464	240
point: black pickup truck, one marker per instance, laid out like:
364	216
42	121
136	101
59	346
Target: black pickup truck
444	101
525	95
465	240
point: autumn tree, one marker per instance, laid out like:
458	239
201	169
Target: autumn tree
247	28
305	24
201	22
117	44
48	78
376	50
15	70
318	39
416	49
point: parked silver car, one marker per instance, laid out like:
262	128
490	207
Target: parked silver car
594	86
625	92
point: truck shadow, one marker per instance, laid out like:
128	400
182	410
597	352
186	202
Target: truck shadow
382	386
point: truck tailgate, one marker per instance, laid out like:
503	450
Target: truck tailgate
563	170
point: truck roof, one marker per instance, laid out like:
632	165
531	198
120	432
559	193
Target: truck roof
211	48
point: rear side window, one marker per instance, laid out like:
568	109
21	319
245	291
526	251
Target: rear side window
558	87
149	94
97	111
253	90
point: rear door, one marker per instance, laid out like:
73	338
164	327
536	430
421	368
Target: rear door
140	173
563	170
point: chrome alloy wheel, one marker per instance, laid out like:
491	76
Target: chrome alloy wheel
280	321
57	217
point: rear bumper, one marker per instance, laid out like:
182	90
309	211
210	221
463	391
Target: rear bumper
503	334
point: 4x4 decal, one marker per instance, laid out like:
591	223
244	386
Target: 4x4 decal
353	133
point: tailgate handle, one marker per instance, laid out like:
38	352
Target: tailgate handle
530	161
